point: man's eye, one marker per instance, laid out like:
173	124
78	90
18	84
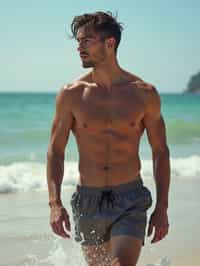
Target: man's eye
82	42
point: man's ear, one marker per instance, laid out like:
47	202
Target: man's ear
110	42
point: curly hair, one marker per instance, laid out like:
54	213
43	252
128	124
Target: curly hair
105	24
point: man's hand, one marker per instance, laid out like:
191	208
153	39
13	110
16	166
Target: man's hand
158	222
58	218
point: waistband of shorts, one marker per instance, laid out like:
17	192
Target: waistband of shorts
130	186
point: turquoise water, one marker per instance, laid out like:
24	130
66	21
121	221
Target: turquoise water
25	130
24	219
26	121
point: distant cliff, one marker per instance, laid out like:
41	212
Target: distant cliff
194	84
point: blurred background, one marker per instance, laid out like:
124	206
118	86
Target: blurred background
160	43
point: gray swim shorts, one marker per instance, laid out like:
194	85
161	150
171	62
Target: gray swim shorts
102	212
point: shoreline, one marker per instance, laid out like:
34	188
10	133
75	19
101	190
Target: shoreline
25	229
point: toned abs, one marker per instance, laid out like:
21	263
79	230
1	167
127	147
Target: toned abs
107	127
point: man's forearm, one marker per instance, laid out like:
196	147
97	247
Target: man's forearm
161	167
55	171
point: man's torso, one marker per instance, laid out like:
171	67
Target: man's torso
108	127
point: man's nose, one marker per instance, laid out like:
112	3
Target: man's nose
79	48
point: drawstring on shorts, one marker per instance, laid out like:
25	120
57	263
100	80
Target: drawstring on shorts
109	196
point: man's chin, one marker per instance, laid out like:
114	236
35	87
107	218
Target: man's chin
87	64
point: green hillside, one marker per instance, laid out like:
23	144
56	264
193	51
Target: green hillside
194	84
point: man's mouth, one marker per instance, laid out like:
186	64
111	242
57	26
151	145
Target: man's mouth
83	55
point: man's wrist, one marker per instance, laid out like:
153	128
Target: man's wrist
162	205
55	203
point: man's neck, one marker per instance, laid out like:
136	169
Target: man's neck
107	75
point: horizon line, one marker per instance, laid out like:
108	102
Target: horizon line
53	92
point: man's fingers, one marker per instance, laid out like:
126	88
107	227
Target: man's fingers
157	235
160	233
59	221
62	232
59	230
150	229
54	227
67	223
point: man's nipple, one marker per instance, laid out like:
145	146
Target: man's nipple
106	168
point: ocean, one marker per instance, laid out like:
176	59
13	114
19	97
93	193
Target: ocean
25	234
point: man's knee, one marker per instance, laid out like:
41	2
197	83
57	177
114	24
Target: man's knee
119	262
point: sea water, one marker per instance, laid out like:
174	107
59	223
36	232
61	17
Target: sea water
25	234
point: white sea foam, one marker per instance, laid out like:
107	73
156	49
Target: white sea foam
28	176
31	176
61	255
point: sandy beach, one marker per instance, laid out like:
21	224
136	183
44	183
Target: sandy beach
26	237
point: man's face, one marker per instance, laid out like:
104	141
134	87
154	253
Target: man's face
91	48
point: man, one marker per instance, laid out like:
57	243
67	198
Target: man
108	110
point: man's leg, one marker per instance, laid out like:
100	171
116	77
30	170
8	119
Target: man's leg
97	255
125	250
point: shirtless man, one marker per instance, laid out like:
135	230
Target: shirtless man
108	110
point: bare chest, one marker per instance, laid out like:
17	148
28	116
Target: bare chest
120	109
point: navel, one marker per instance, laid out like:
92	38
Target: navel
106	168
132	124
85	125
109	123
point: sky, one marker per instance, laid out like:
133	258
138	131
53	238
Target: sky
160	42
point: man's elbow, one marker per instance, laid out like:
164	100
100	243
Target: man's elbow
161	152
52	153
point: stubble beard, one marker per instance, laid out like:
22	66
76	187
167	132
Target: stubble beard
87	64
100	58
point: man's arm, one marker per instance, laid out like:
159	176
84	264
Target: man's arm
156	133
62	124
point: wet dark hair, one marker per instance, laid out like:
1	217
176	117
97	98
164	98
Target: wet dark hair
102	23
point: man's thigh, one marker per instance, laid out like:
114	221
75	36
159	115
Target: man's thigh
97	255
125	250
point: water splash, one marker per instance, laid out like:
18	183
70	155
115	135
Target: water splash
62	255
30	260
30	176
57	256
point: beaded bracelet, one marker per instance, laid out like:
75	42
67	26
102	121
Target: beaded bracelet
55	203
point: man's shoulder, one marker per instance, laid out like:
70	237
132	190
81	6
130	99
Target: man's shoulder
66	94
78	84
69	93
149	95
68	90
141	86
145	90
